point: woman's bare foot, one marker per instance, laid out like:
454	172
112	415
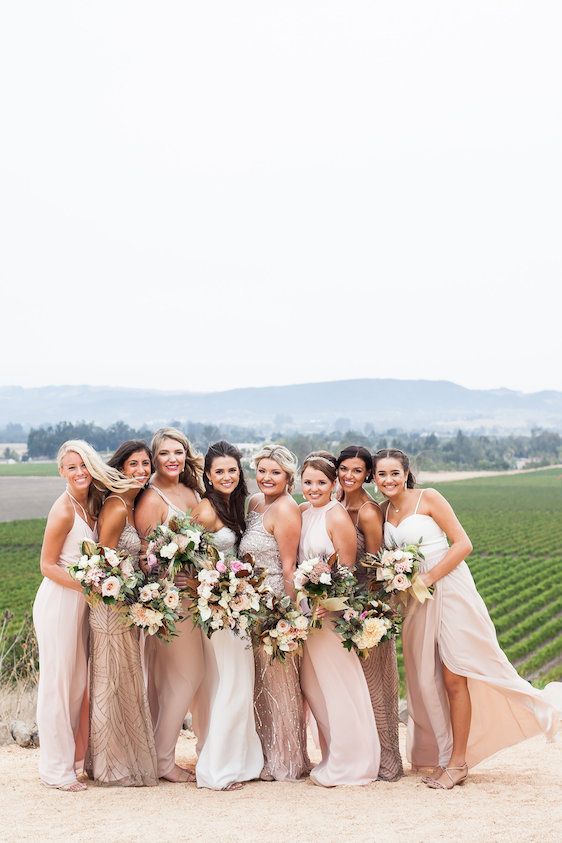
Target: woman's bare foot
234	786
177	774
73	787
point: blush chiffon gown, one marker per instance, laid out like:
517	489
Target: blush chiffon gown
60	617
455	629
334	686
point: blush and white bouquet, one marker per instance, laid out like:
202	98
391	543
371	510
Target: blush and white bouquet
396	572
156	609
323	581
283	629
365	624
230	593
176	546
105	574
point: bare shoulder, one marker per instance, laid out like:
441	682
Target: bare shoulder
204	513
432	496
371	514
286	505
113	511
61	513
338	515
304	506
150	502
254	501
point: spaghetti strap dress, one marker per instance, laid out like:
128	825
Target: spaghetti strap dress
454	629
229	749
381	673
334	686
60	617
278	699
175	671
121	747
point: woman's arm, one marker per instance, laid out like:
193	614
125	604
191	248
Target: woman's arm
111	522
203	513
59	524
284	523
370	524
342	533
442	512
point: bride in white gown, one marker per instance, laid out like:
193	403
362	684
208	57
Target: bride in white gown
229	749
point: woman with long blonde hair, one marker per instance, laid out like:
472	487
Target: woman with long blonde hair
175	669
60	615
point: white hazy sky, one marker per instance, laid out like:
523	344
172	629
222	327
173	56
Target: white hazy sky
203	195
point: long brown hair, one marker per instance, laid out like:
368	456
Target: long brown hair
229	509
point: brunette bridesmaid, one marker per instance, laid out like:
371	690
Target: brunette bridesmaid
355	467
272	536
465	700
332	679
175	669
229	750
121	747
60	616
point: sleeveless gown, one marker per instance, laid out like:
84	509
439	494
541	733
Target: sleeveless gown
60	617
229	748
174	671
278	700
121	749
455	629
381	673
334	686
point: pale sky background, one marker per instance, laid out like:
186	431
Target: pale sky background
204	195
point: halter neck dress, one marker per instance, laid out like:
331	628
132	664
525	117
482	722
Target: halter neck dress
121	746
229	749
334	685
381	673
278	699
175	671
455	629
60	616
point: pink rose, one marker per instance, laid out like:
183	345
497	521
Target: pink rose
235	566
151	561
400	582
221	567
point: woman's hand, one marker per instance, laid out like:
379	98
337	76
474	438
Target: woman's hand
426	579
181	580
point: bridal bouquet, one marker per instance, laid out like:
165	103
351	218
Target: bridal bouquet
365	624
230	594
156	609
283	629
322	581
396	572
105	574
176	546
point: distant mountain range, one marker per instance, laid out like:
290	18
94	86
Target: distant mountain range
383	403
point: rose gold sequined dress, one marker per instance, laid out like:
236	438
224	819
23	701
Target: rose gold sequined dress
278	700
121	747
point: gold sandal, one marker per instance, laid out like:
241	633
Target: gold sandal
437	785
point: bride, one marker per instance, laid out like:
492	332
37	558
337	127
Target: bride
229	749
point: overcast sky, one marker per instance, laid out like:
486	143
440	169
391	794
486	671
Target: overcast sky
204	195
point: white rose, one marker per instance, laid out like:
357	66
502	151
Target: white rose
169	550
111	587
145	594
325	578
111	557
79	575
204	610
193	537
171	599
84	562
301	622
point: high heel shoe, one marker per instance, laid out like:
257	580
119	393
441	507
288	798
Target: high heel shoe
438	785
435	773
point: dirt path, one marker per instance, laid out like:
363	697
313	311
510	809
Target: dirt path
516	796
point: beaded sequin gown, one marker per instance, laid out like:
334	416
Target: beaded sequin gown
121	748
229	748
381	673
455	629
278	700
334	685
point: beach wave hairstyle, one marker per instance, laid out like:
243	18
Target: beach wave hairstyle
191	476
104	477
284	458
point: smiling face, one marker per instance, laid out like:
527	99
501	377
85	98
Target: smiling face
316	487
138	466
170	459
224	474
390	477
75	473
352	473
270	477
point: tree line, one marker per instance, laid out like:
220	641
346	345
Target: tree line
461	451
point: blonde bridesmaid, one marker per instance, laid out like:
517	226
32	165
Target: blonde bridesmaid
121	747
175	669
272	536
60	616
332	679
465	700
355	467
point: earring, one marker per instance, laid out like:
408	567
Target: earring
405	486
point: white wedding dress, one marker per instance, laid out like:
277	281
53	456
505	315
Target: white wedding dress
229	749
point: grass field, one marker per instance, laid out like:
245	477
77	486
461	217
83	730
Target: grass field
29	469
514	522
